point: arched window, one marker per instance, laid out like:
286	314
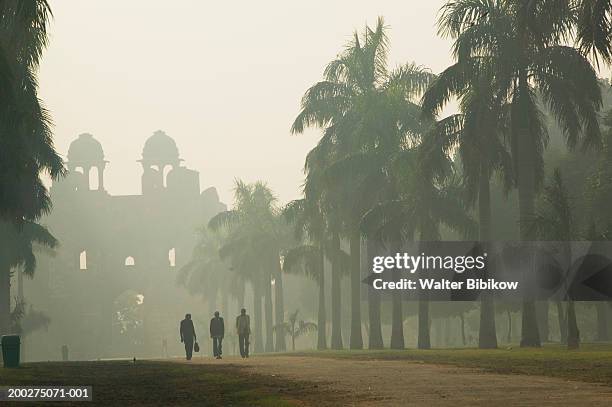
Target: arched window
93	179
172	257
167	169
129	261
83	260
79	170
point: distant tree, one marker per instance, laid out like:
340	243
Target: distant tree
17	246
554	221
255	241
296	328
428	196
26	321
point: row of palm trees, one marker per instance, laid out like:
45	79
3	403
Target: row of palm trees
389	169
383	167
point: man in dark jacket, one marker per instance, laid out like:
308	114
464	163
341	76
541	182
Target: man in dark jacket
217	330
243	328
188	335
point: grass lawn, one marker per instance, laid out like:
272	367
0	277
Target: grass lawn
591	363
156	383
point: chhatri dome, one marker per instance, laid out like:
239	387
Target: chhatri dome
160	148
85	149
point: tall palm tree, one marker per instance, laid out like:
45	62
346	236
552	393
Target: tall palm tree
361	106
206	273
476	133
308	220
17	247
309	254
522	43
554	221
25	133
428	196
254	243
323	202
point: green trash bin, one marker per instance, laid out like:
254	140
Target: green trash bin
10	350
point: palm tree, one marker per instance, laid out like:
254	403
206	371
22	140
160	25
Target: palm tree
428	196
17	247
25	132
290	328
594	29
476	134
522	43
308	220
206	273
254	244
554	221
365	112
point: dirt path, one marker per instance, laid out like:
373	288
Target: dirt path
391	383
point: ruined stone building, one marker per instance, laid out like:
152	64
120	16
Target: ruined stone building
119	252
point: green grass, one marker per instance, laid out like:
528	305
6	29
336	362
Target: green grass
156	383
591	363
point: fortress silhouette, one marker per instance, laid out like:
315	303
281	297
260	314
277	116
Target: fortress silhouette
118	254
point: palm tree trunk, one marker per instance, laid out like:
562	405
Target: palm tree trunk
279	306
562	323
397	321
397	314
487	336
5	300
602	320
525	167
424	341
268	312
375	340
224	303
241	290
509	337
257	331
542	314
356	340
20	284
336	339
321	314
573	334
462	318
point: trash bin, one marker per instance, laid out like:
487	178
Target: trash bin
10	350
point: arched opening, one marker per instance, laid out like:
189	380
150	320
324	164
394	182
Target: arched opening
93	179
128	322
167	169
83	260
129	261
172	257
80	170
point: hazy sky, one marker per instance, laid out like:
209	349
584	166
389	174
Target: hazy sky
224	79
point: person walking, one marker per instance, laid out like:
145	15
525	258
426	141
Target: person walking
217	330
243	328
188	335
